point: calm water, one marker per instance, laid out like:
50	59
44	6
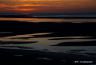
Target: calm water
45	43
49	20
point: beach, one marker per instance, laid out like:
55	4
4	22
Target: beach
47	43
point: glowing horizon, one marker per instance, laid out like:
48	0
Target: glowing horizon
47	6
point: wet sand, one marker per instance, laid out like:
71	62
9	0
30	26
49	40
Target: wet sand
24	56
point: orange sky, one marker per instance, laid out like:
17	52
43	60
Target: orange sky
48	6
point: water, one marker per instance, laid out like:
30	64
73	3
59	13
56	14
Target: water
45	43
32	42
48	20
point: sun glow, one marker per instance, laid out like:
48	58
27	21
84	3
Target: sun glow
47	5
23	10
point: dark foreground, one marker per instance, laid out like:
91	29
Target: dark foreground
29	57
33	57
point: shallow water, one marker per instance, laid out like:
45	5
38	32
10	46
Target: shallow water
45	43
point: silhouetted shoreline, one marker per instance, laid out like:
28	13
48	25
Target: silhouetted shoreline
68	28
28	16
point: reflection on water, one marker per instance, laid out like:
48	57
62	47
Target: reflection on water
48	20
45	43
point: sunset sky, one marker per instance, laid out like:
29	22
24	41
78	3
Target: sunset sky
48	6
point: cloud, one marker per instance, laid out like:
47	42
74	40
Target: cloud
47	5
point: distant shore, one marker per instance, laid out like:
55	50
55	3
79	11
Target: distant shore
25	16
68	28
